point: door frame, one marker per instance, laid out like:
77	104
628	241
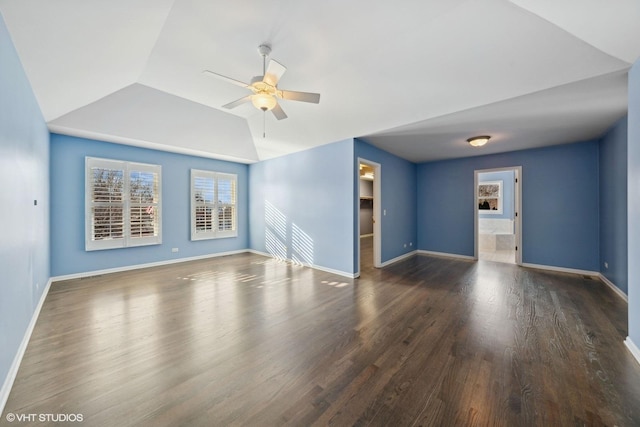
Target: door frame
377	203
517	206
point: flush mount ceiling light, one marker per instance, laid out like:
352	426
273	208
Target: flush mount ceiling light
478	141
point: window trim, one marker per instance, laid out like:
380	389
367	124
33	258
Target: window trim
214	233
127	240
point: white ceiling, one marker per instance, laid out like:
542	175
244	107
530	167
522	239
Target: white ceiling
415	78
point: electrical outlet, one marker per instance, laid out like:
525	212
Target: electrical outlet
410	243
174	249
606	264
405	245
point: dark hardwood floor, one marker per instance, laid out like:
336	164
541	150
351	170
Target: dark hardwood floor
246	340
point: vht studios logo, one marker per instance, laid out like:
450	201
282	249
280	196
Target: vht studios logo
45	418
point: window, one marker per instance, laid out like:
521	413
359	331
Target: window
213	205
122	204
490	197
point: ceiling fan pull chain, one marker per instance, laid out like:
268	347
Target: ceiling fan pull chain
264	124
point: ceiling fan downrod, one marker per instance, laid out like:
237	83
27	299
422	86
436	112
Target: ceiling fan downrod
264	50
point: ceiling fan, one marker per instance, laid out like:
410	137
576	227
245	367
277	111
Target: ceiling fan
265	87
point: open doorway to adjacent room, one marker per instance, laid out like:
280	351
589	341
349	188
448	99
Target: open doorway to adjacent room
369	201
498	219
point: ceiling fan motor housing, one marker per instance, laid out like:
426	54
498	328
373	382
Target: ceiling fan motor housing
264	49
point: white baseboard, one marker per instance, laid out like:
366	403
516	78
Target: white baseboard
17	360
337	272
596	274
446	255
265	254
398	258
600	276
195	258
562	269
314	266
613	287
139	266
633	348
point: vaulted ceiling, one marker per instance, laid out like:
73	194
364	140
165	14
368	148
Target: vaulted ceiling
415	78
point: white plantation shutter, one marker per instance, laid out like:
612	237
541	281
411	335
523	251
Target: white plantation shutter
202	196
122	204
213	205
226	197
144	208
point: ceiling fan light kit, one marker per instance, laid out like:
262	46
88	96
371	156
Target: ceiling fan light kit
478	141
263	101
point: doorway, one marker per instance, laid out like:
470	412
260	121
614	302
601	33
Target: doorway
498	218
369	225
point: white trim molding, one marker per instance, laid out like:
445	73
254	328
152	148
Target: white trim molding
398	258
562	269
336	272
314	266
255	252
377	212
446	255
139	266
81	133
17	360
633	348
613	287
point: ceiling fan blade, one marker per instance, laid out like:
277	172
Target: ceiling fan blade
237	102
274	72
279	112
292	95
225	78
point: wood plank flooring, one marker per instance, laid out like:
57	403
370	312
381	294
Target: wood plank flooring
246	340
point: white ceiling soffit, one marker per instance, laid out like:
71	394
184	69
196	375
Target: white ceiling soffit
77	51
143	116
377	65
607	25
574	112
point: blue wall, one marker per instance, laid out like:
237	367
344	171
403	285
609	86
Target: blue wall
302	206
613	204
559	201
68	255
633	192
398	187
508	191
24	226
